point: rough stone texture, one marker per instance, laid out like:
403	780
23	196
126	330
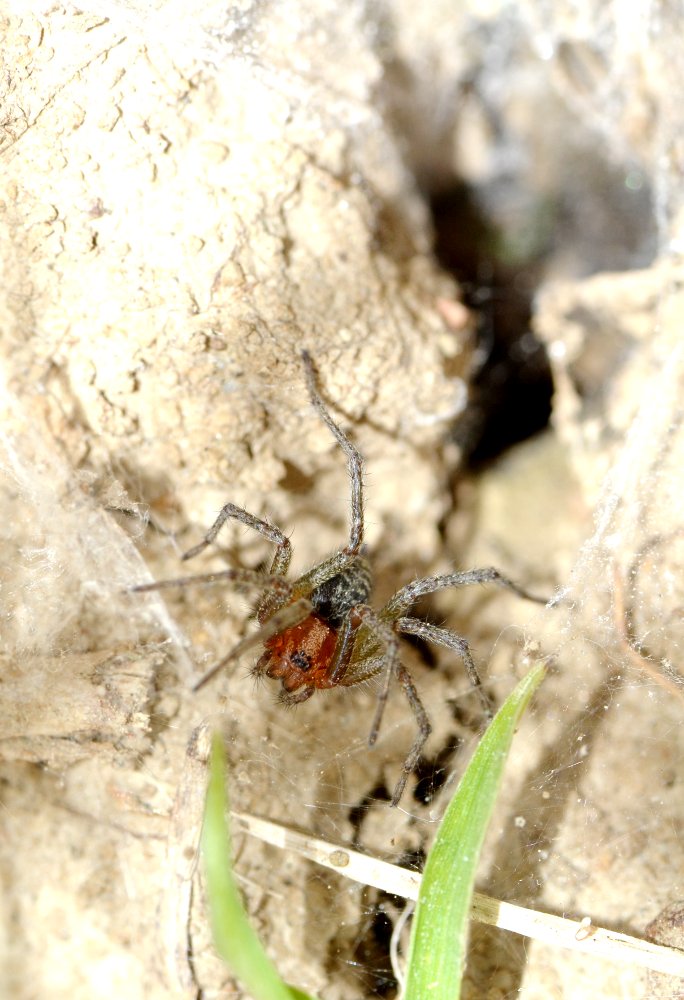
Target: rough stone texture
187	200
180	222
615	343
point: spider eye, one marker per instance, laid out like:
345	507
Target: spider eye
300	660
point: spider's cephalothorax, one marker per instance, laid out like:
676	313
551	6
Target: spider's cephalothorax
318	631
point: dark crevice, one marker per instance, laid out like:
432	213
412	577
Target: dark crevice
511	391
372	953
433	772
358	813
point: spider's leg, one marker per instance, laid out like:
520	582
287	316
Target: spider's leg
281	558
283	554
362	670
291	614
353	457
281	590
240	577
385	635
445	637
424	730
289	700
368	667
405	597
343	652
322	572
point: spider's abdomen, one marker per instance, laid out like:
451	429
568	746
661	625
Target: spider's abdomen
300	656
334	599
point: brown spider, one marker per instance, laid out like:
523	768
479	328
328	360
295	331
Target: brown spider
318	631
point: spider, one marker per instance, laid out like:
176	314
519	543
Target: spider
319	631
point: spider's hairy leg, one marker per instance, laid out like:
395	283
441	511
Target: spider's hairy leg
339	668
385	635
387	638
353	457
290	699
424	730
322	572
283	554
405	597
290	615
445	637
367	667
281	558
362	670
238	577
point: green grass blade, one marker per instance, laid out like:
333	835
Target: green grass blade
235	939
440	925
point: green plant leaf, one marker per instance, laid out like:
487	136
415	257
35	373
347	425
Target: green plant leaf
439	932
234	937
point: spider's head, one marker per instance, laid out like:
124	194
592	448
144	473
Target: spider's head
299	656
